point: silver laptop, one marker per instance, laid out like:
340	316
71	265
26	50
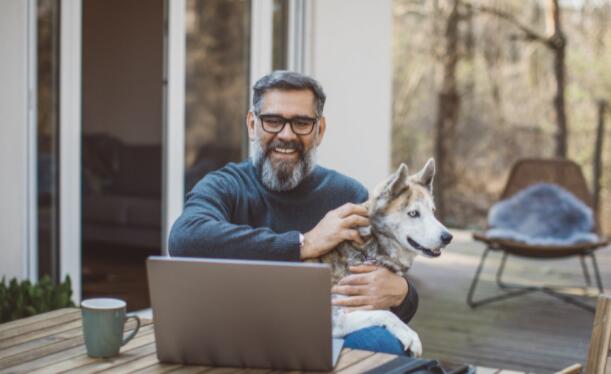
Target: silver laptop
256	314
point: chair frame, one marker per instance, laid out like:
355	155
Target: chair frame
508	247
514	290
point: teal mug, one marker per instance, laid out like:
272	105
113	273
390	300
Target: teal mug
103	322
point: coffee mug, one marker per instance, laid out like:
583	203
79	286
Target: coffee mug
103	322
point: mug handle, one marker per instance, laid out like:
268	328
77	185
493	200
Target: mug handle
133	333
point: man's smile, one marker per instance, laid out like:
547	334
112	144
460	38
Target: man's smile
281	150
286	151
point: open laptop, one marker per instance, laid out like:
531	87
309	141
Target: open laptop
256	314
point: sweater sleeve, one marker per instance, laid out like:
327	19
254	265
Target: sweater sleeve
204	229
408	307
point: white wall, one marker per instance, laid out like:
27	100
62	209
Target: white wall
13	137
350	55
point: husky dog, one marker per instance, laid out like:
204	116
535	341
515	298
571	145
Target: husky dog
403	225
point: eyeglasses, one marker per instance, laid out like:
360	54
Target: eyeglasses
274	124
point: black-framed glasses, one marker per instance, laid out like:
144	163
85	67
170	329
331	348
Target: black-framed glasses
300	125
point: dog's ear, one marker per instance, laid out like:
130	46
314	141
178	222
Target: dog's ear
396	182
426	175
389	189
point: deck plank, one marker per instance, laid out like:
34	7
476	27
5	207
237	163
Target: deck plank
41	321
68	360
45	345
36	334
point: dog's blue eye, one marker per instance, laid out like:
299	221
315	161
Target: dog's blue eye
413	213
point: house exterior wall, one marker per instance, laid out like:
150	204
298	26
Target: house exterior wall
350	54
13	138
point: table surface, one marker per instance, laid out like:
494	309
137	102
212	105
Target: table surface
53	342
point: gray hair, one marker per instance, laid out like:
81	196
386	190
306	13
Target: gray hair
290	81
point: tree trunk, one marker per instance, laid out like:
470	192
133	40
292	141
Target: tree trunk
598	164
558	46
448	105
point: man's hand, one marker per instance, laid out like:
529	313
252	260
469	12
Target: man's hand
370	287
335	227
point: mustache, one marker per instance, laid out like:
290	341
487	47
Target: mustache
292	144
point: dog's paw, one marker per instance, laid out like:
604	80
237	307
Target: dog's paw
411	341
416	347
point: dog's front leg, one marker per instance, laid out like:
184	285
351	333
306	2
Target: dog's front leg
346	323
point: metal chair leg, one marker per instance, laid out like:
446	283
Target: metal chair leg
475	303
499	273
470	301
567	299
513	290
599	281
586	274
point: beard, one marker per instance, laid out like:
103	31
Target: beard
282	175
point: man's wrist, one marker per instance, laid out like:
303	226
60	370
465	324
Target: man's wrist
302	247
305	247
404	292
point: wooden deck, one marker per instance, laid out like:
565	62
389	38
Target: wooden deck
535	333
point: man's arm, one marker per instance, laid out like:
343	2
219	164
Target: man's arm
371	287
408	307
205	230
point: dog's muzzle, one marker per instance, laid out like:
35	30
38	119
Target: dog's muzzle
426	251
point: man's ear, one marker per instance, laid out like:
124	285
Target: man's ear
322	127
250	125
426	175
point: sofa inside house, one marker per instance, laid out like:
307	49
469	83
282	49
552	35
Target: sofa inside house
122	188
121	192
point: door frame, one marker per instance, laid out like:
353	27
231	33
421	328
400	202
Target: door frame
70	178
173	148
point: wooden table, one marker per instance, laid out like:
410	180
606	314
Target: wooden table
53	342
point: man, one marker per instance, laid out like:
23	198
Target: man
281	206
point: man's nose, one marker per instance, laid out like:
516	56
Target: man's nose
446	237
287	132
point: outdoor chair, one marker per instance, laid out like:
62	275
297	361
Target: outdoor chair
568	175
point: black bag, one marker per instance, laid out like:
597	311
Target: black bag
407	365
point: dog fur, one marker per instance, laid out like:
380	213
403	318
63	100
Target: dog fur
403	225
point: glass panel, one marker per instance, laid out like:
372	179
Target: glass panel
218	39
280	35
122	146
48	137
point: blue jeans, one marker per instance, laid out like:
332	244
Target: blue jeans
376	339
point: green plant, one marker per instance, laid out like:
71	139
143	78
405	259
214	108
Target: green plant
24	299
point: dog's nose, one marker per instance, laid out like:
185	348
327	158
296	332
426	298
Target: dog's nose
446	237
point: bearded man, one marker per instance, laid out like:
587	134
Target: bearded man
280	205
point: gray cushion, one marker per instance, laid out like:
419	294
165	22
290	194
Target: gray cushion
542	214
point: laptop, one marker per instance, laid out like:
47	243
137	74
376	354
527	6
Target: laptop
237	313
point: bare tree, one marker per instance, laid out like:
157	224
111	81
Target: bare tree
556	42
598	164
448	107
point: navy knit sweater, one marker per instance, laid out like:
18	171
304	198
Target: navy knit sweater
230	214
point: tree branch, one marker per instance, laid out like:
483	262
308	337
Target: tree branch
529	34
